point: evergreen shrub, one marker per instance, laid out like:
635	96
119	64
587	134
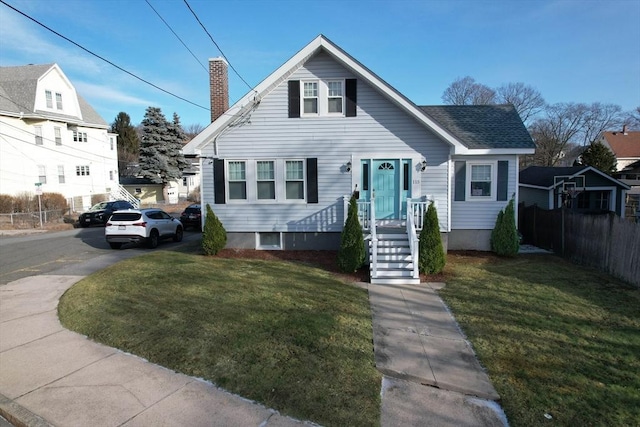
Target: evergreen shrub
432	257
352	253
504	237
214	236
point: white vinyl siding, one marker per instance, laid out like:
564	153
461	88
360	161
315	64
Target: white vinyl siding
379	130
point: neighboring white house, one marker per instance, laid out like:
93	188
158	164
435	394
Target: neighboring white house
52	136
277	166
624	145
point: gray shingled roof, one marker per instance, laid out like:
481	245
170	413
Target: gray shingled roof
542	176
482	126
18	87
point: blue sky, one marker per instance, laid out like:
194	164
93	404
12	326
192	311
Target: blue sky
569	50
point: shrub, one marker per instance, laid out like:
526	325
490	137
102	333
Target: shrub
432	259
351	254
214	236
194	195
6	203
53	201
504	237
25	202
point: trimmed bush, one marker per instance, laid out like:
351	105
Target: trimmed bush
352	254
214	236
504	237
432	258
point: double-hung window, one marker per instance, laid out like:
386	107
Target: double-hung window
59	101
49	98
38	132
294	179
61	179
310	98
42	174
602	200
481	181
82	170
58	135
266	180
335	97
79	136
237	180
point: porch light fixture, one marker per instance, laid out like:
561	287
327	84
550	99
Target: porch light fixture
423	165
347	167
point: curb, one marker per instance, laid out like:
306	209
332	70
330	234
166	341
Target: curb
20	416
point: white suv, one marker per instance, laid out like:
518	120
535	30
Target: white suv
141	225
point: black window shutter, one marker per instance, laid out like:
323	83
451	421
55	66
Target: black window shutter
294	98
351	92
503	179
218	182
312	180
460	181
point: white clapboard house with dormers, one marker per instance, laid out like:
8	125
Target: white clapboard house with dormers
279	166
51	136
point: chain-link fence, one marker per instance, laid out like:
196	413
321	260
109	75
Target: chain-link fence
31	219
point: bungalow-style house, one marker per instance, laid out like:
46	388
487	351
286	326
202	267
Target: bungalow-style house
580	188
279	166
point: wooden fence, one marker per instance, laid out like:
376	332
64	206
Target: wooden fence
606	242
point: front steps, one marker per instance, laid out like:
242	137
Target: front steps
394	263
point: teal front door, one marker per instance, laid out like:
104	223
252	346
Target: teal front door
385	184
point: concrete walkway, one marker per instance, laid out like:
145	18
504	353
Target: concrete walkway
49	375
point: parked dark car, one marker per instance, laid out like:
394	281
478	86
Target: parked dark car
101	212
192	216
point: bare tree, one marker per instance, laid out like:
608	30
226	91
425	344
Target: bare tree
633	119
559	126
599	118
527	101
465	91
192	130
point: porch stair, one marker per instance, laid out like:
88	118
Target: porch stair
394	261
118	192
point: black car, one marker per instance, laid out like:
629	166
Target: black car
192	216
101	212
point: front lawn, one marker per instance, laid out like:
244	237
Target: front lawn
557	339
292	337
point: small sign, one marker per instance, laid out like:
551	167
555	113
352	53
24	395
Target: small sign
38	189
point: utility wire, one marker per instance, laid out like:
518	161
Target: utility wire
104	59
178	37
216	44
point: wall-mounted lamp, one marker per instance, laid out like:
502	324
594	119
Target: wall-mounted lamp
347	167
423	165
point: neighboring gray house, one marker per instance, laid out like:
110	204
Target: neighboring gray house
280	164
582	189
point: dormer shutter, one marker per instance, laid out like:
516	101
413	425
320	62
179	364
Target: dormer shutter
294	98
351	92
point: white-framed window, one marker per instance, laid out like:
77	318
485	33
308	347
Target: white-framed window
79	136
335	96
42	174
294	180
58	101
481	181
37	130
111	143
61	179
310	98
237	179
265	180
82	170
602	200
269	240
58	135
49	97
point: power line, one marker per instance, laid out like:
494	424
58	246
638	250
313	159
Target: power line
102	58
178	37
216	44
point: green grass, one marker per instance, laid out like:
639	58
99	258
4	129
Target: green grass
556	338
287	335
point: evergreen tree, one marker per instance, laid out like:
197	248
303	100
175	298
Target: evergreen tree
128	141
214	236
161	158
431	253
504	237
600	157
352	254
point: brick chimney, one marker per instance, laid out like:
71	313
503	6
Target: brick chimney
218	86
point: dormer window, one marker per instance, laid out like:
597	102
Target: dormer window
317	98
310	98
59	101
49	97
335	97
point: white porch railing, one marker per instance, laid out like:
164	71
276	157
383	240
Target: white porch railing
374	238
414	244
418	209
118	192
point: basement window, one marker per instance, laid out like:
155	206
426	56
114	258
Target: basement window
269	241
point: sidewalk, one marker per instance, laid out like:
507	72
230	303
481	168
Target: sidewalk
49	375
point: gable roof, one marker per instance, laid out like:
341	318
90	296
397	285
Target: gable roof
483	126
543	176
448	134
623	144
18	86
